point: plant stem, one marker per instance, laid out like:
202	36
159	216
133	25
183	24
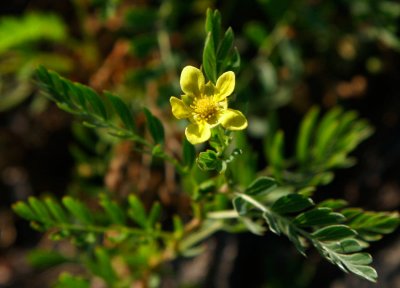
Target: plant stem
195	238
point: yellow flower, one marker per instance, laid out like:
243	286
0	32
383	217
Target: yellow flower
206	105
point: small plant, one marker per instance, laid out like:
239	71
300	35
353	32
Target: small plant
125	232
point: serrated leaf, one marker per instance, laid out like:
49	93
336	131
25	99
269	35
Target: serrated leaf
137	211
122	111
334	232
291	203
261	186
78	210
155	127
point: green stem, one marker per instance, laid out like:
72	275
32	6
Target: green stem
265	209
195	238
102	230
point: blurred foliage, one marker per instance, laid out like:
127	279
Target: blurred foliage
141	195
20	53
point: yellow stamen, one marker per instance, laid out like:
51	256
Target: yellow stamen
204	108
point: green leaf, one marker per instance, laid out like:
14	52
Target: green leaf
103	266
94	100
366	272
56	210
210	59
31	27
324	140
155	127
234	62
334	232
154	215
209	161
45	259
40	209
122	110
137	211
272	223
82	101
297	240
334	204
226	44
327	121
189	153
291	203
371	225
345	246
141	19
114	212
178	226
78	209
359	258
276	156
240	206
213	25
261	186
304	138
318	217
253	226
24	211
67	281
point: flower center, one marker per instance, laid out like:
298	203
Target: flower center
204	108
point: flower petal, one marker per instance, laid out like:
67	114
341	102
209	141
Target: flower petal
233	120
225	85
198	133
192	81
187	99
179	109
